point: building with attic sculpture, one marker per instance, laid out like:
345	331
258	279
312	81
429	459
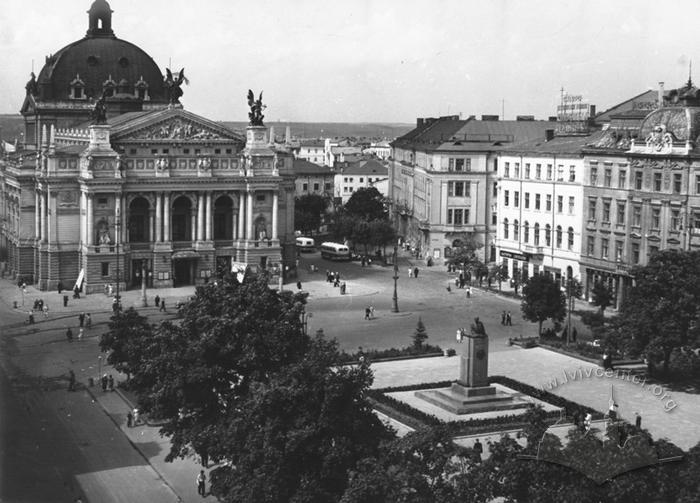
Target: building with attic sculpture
116	181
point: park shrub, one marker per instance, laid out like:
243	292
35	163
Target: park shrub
592	319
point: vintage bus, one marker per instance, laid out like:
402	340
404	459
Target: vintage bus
305	244
335	251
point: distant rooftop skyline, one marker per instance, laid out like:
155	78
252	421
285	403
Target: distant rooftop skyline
377	60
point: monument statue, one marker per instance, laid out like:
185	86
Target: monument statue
478	329
173	85
99	113
256	107
32	87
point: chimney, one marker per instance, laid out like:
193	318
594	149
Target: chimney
288	135
489	117
552	118
548	134
521	118
419	122
661	94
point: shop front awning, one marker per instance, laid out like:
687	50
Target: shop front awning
185	254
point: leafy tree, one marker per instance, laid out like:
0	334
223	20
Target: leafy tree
602	296
308	212
367	204
661	311
420	335
383	234
542	300
295	437
128	331
232	335
499	273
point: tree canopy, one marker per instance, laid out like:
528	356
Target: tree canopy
366	203
308	212
542	300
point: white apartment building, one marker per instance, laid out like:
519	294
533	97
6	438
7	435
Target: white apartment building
312	151
363	174
540	206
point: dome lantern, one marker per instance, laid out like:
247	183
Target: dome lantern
100	16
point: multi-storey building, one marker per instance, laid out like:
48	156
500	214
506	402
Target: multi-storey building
143	189
539	207
312	151
642	191
443	181
311	178
359	175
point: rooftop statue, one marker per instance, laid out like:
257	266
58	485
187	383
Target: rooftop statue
32	87
99	113
256	107
173	85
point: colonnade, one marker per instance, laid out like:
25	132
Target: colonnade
160	230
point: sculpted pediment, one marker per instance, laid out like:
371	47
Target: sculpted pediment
176	128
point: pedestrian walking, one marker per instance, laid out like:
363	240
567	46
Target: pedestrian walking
415	272
81	319
157	300
46	310
371	312
71	380
509	320
201	483
367	311
105	381
478	451
638	420
587	421
65	301
110	382
410	272
136	417
76	292
162	305
81	332
469	292
69	335
88	320
129	420
60	287
299	285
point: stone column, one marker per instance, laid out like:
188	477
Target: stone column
37	215
200	217
166	216
83	218
42	203
88	219
151	225
208	218
234	221
193	226
159	217
118	232
241	216
249	217
275	207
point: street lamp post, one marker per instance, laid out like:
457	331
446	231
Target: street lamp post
117	226
99	367
395	298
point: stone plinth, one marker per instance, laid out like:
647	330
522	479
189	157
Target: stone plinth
474	362
459	399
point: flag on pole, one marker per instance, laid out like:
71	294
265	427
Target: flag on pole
8	147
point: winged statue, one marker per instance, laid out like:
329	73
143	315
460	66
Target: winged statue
256	107
173	84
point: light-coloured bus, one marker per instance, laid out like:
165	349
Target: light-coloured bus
305	244
335	251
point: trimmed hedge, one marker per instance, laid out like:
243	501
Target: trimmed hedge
415	418
394	353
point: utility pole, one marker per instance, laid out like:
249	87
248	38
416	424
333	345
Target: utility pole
144	272
395	298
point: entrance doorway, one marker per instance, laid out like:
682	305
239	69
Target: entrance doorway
183	272
137	270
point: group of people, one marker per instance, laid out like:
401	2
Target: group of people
132	418
107	382
412	272
84	322
506	319
369	313
333	277
160	303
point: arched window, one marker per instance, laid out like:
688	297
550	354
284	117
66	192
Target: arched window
505	228
548	235
559	236
516	230
526	232
537	234
570	233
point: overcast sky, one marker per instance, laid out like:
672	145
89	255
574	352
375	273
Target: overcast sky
377	60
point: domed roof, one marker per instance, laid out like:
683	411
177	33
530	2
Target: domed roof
98	58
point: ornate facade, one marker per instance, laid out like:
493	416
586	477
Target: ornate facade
154	192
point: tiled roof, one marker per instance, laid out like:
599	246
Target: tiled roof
370	167
304	167
558	145
312	143
429	135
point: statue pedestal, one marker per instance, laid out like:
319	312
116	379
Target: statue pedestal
474	362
